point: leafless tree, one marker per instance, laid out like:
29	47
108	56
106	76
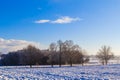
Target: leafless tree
74	54
33	55
104	54
69	49
52	49
60	44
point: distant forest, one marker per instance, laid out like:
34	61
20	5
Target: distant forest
59	53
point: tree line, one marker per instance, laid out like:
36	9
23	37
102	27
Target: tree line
58	53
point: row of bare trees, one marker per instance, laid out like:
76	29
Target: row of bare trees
69	53
58	53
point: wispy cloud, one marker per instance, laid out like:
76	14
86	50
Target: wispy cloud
61	20
13	45
65	19
42	21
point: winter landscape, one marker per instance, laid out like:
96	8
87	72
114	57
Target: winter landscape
59	39
77	72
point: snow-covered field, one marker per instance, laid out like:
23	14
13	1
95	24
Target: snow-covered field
91	72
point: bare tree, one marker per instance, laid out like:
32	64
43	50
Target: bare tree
70	50
33	55
74	53
52	49
60	44
105	54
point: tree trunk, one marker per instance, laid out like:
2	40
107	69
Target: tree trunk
52	64
82	64
106	62
30	66
102	62
60	58
70	62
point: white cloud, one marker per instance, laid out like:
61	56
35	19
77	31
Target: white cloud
13	45
61	20
42	21
65	19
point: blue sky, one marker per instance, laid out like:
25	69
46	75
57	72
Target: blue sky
89	23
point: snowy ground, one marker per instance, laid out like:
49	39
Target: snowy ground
111	72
